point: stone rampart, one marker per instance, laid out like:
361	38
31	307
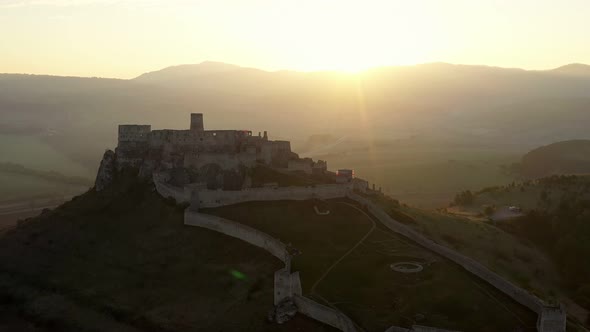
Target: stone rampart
324	314
286	284
240	231
216	198
518	294
166	190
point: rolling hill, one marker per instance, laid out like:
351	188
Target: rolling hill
567	157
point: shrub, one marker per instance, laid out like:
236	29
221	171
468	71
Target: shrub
464	198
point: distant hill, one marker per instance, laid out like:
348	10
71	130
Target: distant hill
574	69
567	157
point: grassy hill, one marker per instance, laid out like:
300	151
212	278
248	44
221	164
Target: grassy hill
123	260
568	157
555	220
361	282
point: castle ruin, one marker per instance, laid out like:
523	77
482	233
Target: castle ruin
218	158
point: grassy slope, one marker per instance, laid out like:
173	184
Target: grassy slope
129	260
363	286
503	253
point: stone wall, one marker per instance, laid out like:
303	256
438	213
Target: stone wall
324	314
518	294
166	190
286	284
226	161
551	319
216	198
240	231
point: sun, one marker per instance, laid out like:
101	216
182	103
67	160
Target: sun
347	38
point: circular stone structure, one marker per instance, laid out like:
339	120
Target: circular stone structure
407	267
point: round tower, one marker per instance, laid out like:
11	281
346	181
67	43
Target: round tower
197	122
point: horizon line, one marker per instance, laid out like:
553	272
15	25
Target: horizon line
345	72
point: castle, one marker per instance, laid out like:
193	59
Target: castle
197	147
219	158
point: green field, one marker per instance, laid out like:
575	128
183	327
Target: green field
34	153
363	286
127	259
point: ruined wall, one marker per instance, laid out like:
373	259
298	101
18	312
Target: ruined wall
226	161
215	198
132	144
303	165
324	314
416	328
166	190
518	294
240	231
552	319
287	284
133	133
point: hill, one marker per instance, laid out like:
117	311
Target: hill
345	262
575	69
555	218
123	260
567	157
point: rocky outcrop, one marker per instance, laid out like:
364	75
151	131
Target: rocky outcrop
104	177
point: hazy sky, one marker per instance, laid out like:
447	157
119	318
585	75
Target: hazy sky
124	38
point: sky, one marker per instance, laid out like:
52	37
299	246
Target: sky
125	38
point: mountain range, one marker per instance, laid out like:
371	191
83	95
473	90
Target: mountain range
462	103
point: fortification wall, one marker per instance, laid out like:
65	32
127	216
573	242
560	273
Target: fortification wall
226	161
165	190
287	284
324	314
552	319
216	198
518	294
240	231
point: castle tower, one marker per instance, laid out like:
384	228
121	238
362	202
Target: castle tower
197	122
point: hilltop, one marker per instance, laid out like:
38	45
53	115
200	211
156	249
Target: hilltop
123	260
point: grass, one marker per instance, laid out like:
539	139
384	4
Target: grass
33	152
126	258
363	285
297	223
501	252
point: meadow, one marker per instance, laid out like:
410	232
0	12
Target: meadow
363	286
